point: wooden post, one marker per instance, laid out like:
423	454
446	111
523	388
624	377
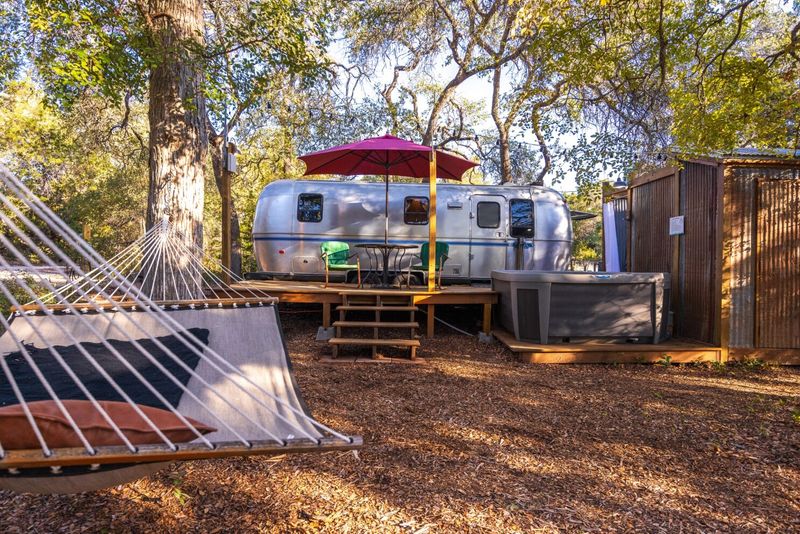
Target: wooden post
326	315
727	262
675	263
487	318
226	215
432	232
719	256
431	315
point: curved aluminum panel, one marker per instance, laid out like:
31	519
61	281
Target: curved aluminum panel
353	212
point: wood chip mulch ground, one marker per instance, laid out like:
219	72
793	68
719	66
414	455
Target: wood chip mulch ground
474	442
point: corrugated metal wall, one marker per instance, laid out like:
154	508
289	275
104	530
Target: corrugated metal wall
761	241
651	247
699	305
777	312
741	201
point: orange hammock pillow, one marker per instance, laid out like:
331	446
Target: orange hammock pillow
16	431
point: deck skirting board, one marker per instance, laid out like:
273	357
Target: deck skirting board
608	352
683	356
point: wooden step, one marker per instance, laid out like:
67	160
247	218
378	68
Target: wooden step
373	324
373	342
386	301
377	292
376	308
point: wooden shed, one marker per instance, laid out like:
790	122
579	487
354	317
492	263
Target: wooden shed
727	229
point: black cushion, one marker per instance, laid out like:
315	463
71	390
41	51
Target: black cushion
66	388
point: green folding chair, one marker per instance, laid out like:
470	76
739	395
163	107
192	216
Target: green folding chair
441	256
336	255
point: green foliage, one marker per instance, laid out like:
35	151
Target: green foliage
176	478
256	50
737	91
12	44
718	366
643	79
753	364
665	360
90	173
92	44
77	134
20	292
624	82
587	244
110	47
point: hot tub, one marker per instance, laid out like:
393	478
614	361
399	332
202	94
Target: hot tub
555	307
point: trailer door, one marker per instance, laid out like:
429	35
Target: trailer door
488	238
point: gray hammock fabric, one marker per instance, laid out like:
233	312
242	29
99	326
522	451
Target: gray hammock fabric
66	389
249	338
102	335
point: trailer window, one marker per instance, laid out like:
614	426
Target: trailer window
309	207
521	217
488	215
416	210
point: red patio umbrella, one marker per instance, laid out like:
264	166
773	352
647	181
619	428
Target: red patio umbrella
385	155
391	155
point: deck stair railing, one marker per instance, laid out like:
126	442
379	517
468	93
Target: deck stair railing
379	303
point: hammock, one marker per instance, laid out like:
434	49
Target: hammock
215	367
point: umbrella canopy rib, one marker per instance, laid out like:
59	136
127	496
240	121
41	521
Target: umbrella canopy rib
353	170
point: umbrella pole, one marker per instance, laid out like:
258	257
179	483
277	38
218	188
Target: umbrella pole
386	212
432	223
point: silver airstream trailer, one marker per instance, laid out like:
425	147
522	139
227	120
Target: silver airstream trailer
486	227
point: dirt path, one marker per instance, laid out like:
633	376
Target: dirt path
473	441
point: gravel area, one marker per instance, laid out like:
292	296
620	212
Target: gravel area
472	441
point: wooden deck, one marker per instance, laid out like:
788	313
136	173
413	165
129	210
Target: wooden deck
679	351
317	293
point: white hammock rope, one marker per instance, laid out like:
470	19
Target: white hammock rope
94	362
128	255
178	333
142	260
148	245
120	283
152	360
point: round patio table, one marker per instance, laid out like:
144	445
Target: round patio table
385	250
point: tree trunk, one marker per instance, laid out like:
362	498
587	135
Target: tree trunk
449	90
502	129
178	141
236	242
543	149
217	164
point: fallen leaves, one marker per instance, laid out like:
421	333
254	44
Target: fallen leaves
475	442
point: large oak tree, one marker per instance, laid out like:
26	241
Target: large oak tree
189	60
629	79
